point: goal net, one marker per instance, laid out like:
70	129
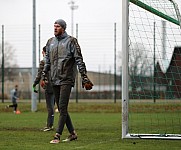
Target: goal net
151	69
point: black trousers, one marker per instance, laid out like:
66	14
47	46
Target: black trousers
50	102
62	95
14	105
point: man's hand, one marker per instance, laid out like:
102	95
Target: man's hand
88	86
87	83
43	84
34	88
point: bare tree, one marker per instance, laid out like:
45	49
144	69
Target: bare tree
9	56
9	61
140	64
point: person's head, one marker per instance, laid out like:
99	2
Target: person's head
44	51
59	27
16	87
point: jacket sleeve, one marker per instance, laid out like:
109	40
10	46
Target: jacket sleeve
76	51
39	74
47	56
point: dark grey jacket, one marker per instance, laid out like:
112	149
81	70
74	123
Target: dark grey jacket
48	87
14	96
63	55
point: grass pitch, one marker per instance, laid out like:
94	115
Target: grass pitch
98	127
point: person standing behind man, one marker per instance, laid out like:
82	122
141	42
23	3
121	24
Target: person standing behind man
63	55
49	96
14	98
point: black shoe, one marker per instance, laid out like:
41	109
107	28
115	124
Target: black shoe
71	137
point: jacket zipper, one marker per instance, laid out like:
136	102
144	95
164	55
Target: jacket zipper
57	61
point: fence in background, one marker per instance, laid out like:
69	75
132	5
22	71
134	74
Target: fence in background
103	85
100	45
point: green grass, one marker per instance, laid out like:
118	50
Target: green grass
98	127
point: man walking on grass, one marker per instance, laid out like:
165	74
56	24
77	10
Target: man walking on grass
63	55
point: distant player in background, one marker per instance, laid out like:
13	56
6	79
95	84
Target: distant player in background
14	98
49	96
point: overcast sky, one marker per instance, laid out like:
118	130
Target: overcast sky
20	11
17	15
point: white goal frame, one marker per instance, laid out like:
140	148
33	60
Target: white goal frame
125	80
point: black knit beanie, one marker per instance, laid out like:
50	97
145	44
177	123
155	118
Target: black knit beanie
62	23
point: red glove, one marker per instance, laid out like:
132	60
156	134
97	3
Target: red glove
86	83
43	84
88	86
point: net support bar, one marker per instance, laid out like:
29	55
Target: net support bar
177	11
154	11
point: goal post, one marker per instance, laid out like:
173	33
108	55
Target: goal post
151	69
125	68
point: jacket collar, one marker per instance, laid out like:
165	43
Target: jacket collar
60	37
